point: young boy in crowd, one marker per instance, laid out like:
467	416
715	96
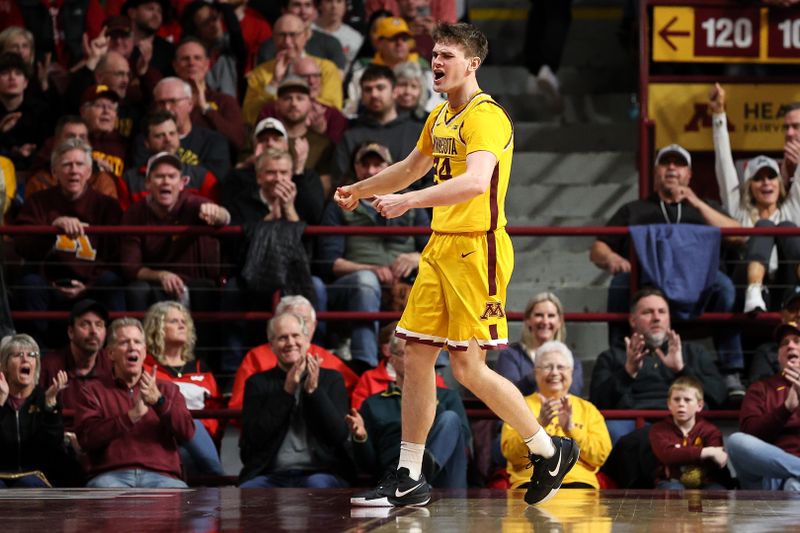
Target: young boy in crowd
689	449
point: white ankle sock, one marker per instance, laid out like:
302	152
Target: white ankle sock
411	458
540	443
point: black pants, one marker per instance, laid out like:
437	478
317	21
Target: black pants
546	33
759	249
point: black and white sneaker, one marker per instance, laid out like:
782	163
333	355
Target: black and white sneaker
549	473
396	489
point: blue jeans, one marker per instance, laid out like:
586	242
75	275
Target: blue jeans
448	445
722	299
24	482
136	478
295	479
618	428
760	465
359	291
199	455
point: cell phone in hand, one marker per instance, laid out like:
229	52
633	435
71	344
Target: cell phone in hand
63	282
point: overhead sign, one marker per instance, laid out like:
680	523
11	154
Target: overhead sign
755	112
726	35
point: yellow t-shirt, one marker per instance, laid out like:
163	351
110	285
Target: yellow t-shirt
449	136
589	431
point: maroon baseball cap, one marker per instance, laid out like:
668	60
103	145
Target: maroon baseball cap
98	91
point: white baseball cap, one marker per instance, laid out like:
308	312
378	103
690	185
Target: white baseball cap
674	149
270	124
752	167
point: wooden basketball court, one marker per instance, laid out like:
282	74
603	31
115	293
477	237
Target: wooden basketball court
474	510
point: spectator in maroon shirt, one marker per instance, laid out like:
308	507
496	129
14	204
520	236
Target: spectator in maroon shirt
131	424
84	358
766	454
161	267
73	265
214	110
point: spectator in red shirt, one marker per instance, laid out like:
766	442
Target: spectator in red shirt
171	338
131	424
165	266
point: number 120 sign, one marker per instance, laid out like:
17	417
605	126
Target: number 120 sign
706	34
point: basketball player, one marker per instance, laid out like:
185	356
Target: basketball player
458	298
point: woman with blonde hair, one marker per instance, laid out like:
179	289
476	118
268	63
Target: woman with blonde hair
170	336
762	201
543	322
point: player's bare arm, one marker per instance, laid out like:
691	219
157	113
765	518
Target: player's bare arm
393	178
471	183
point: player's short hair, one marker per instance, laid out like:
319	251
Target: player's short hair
377	72
687	383
465	35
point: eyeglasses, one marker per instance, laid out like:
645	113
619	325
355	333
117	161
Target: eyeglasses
105	106
313	75
761	177
20	355
549	368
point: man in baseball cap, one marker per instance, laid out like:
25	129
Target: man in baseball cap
765	357
677	151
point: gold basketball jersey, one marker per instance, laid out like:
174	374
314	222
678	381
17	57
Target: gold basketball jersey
449	136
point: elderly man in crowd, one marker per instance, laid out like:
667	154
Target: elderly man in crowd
65	268
198	145
560	413
294	432
262	358
130	424
766	454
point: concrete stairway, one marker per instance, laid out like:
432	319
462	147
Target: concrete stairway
571	168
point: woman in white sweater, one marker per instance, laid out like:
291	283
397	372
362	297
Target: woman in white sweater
760	201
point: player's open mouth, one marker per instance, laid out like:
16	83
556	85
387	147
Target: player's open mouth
438	74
